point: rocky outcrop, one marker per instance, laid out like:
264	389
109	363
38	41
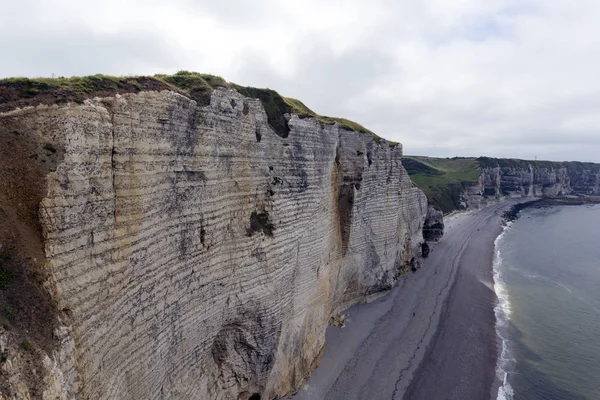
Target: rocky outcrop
433	228
502	178
192	252
460	183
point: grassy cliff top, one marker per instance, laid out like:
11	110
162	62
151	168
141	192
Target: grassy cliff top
487	162
21	92
444	179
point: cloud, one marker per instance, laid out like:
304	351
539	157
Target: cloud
470	77
79	52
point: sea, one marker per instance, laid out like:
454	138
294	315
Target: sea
547	278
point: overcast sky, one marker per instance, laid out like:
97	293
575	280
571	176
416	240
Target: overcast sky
505	78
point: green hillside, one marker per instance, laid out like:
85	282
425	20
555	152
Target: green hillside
442	179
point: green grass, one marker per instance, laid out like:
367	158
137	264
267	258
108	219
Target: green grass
517	163
429	171
300	109
442	179
537	164
456	165
277	106
86	84
198	86
193	84
274	104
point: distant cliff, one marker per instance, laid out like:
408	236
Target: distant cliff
180	237
459	183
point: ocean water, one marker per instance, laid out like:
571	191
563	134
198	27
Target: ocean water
547	277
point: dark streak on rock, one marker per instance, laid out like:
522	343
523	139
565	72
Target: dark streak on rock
257	133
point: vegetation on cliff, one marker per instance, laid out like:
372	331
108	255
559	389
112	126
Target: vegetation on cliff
442	179
572	166
21	92
487	162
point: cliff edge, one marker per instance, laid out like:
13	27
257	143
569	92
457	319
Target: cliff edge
181	237
463	183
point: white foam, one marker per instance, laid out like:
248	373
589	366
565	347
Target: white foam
502	311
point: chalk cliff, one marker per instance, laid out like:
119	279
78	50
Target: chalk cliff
190	250
502	178
463	182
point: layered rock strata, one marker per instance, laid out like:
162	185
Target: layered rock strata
193	253
518	178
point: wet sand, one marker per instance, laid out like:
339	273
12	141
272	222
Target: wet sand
432	337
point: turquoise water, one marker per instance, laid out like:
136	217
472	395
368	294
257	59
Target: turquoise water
547	273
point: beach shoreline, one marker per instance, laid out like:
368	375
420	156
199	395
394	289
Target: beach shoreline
464	354
431	337
501	389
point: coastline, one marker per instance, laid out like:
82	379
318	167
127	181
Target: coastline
506	361
433	336
501	390
463	356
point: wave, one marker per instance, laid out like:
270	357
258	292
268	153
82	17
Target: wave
502	311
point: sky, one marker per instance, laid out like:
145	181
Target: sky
501	78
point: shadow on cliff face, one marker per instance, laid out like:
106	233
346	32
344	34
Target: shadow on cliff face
433	227
248	396
345	203
244	351
259	222
27	312
183	139
425	250
346	180
274	105
299	174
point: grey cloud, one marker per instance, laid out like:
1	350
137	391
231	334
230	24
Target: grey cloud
80	52
236	12
505	78
323	80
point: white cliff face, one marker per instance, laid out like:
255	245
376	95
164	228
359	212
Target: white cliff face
528	180
196	254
